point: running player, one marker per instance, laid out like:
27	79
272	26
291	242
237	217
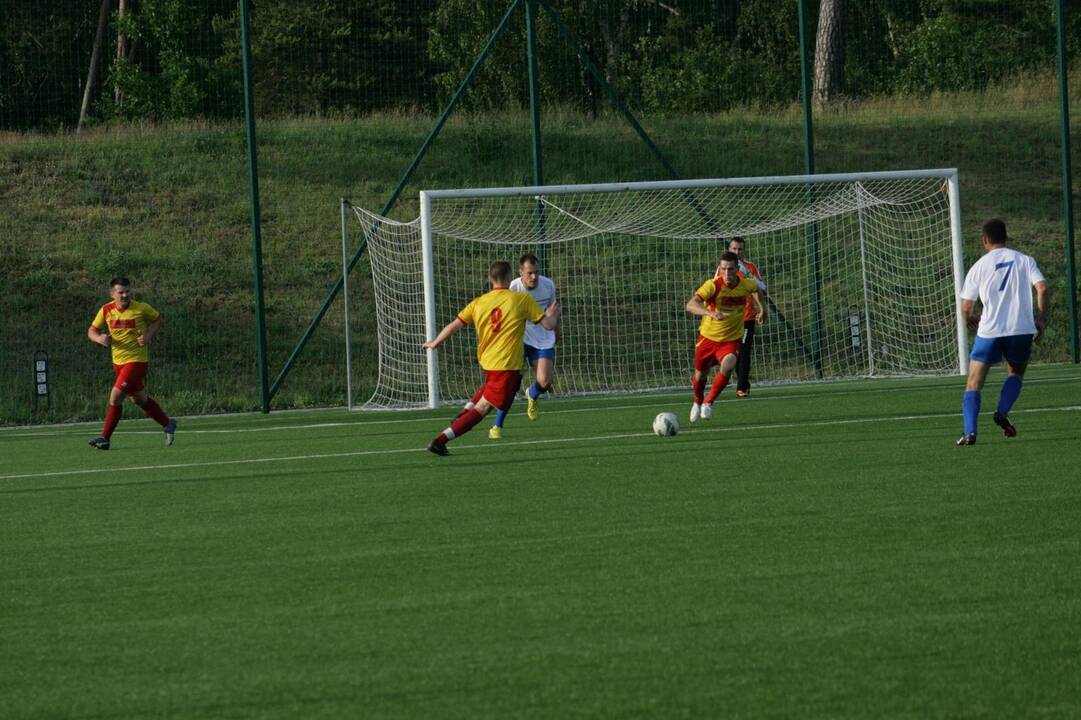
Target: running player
500	317
540	342
127	326
747	268
1002	280
719	302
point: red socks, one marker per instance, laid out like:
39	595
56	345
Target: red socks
112	419
154	411
698	388
719	384
461	425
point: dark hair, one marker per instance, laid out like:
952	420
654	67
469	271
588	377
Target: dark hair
995	231
499	272
737	238
119	280
729	256
528	258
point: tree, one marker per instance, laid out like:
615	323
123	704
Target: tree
829	68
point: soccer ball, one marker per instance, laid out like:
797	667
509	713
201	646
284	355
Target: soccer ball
665	424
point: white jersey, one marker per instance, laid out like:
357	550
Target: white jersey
1002	281
544	294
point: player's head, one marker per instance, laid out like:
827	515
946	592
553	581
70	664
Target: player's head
728	266
120	291
736	245
499	274
528	266
994	232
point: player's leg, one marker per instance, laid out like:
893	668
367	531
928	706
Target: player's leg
743	365
985	353
1017	349
472	401
704	359
497	392
543	374
113	412
728	358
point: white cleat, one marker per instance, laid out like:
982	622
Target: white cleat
696	410
707	411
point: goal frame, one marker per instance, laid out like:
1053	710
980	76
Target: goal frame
948	175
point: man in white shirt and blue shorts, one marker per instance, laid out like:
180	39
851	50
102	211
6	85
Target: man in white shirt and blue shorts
1002	280
540	344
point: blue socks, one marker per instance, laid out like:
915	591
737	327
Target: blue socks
1011	390
500	416
970	409
534	391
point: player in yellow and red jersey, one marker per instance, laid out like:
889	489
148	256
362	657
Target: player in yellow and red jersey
719	302
127	326
500	317
747	269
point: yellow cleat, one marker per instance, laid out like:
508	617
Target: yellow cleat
495	433
532	409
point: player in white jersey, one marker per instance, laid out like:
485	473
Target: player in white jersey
540	344
1002	280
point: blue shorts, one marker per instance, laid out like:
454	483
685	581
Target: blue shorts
533	354
1016	349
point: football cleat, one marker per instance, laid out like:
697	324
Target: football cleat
969	439
532	409
743	393
101	443
1004	422
438	448
495	433
696	411
170	432
707	411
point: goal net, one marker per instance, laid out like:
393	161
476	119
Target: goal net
863	275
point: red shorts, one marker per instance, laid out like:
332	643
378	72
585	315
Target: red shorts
708	353
130	376
500	387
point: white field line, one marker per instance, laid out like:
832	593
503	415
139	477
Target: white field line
505	444
656	402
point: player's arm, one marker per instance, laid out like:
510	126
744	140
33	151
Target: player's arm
696	306
1041	308
759	307
98	336
151	330
550	320
972	320
452	327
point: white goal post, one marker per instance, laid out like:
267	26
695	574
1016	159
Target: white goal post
864	272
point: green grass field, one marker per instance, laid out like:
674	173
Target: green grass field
813	551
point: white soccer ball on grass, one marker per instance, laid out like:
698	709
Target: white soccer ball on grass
666	424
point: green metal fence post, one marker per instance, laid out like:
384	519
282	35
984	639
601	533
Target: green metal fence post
256	235
1067	182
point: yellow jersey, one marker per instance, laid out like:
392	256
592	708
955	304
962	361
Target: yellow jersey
718	296
500	317
125	327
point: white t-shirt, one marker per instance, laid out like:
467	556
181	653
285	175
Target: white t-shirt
1002	281
544	295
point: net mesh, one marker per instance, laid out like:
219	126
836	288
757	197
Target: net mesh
859	274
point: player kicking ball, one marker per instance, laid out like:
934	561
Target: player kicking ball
540	342
720	302
499	317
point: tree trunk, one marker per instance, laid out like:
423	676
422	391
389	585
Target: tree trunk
121	48
95	61
829	71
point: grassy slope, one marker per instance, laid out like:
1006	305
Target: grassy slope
169	207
